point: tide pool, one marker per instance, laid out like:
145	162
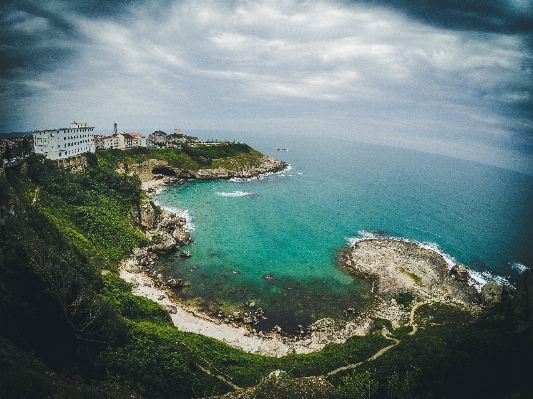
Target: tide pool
293	224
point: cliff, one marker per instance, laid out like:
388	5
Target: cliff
161	172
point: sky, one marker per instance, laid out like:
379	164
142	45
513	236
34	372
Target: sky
453	77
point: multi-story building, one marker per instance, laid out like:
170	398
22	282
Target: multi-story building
120	140
137	140
64	143
111	142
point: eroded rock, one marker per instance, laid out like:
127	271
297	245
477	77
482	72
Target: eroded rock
460	273
491	293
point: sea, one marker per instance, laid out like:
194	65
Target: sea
275	240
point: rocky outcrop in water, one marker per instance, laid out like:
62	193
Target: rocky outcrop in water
460	273
159	169
266	165
396	266
168	233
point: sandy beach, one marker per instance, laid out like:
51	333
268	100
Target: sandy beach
386	262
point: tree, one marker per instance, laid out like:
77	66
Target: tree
8	153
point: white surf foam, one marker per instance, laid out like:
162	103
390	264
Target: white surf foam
184	213
479	278
261	176
520	268
237	194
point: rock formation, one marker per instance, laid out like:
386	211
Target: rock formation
396	266
491	293
460	273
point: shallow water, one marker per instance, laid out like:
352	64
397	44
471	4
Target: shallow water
292	225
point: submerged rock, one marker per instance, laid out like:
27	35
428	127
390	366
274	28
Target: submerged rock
270	278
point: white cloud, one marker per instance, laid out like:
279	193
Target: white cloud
318	63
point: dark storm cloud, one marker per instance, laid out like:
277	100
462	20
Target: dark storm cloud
422	74
511	16
39	35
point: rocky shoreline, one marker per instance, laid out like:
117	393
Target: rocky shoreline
156	173
394	268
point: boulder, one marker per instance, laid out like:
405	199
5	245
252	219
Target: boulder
171	309
172	282
185	254
180	235
164	243
491	293
460	273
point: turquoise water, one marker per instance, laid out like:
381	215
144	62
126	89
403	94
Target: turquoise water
293	224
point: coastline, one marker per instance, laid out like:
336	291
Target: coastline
390	264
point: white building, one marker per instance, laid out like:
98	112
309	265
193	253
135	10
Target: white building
132	140
111	142
64	143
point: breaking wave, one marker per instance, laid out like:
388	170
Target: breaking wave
261	176
520	268
184	213
237	194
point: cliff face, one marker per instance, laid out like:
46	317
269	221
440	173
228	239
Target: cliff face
154	168
266	165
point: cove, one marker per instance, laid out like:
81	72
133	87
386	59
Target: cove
293	224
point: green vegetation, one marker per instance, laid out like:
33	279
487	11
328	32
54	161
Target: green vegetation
461	357
417	279
190	157
359	385
383	323
62	238
405	298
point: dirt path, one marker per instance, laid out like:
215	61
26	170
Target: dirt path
382	351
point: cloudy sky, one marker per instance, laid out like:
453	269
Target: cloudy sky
448	76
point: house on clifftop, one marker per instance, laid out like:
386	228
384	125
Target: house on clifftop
64	143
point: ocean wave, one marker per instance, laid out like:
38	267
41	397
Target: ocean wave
483	277
261	176
184	213
479	278
237	194
520	268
